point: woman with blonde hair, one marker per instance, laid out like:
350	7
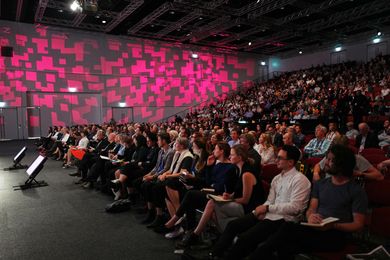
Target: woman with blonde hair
266	149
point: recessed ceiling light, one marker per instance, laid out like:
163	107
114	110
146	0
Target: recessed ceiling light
97	16
238	25
60	10
72	89
104	21
249	43
152	25
172	12
188	34
338	48
262	63
282	8
379	33
258	1
300	52
201	18
376	40
194	55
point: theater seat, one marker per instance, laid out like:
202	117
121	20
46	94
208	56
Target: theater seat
372	151
269	172
378	192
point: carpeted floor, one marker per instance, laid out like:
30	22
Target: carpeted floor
65	221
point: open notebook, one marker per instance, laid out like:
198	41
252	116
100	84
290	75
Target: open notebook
323	223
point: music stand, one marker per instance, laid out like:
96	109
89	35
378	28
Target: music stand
32	172
17	165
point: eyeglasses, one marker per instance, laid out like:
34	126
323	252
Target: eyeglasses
281	158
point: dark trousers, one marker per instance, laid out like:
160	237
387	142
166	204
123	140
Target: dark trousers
250	233
147	190
159	193
193	199
88	160
293	238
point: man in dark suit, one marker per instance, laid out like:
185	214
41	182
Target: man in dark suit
366	138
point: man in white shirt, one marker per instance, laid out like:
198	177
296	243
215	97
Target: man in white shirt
287	200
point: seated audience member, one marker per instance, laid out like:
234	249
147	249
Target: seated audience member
319	145
75	150
366	138
97	165
287	200
247	194
220	175
164	160
139	155
384	135
278	137
333	132
235	135
363	167
91	155
299	138
182	160
248	141
124	154
266	149
178	187
351	133
339	197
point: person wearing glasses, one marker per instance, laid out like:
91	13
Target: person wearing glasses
287	200
338	197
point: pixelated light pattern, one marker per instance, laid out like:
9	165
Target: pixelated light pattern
156	79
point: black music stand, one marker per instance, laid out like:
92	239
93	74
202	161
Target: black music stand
32	172
17	165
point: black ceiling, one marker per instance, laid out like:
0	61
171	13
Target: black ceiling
271	26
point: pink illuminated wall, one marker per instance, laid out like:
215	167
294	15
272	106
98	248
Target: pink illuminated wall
145	74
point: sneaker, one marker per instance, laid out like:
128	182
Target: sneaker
176	233
189	238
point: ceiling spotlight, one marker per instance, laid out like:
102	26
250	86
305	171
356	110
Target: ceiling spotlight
172	12
3	104
60	10
194	55
249	43
337	49
238	25
282	8
104	21
188	34
379	33
376	40
72	89
122	104
75	6
258	1
152	25
300	52
200	18
97	16
262	63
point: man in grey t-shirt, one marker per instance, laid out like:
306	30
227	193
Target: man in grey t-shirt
363	168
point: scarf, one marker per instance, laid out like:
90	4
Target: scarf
178	158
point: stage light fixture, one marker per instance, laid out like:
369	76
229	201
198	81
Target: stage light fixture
104	21
122	104
72	89
337	49
379	33
300	52
376	40
262	63
194	55
3	104
249	43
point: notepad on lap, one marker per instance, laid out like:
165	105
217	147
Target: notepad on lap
218	198
323	223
